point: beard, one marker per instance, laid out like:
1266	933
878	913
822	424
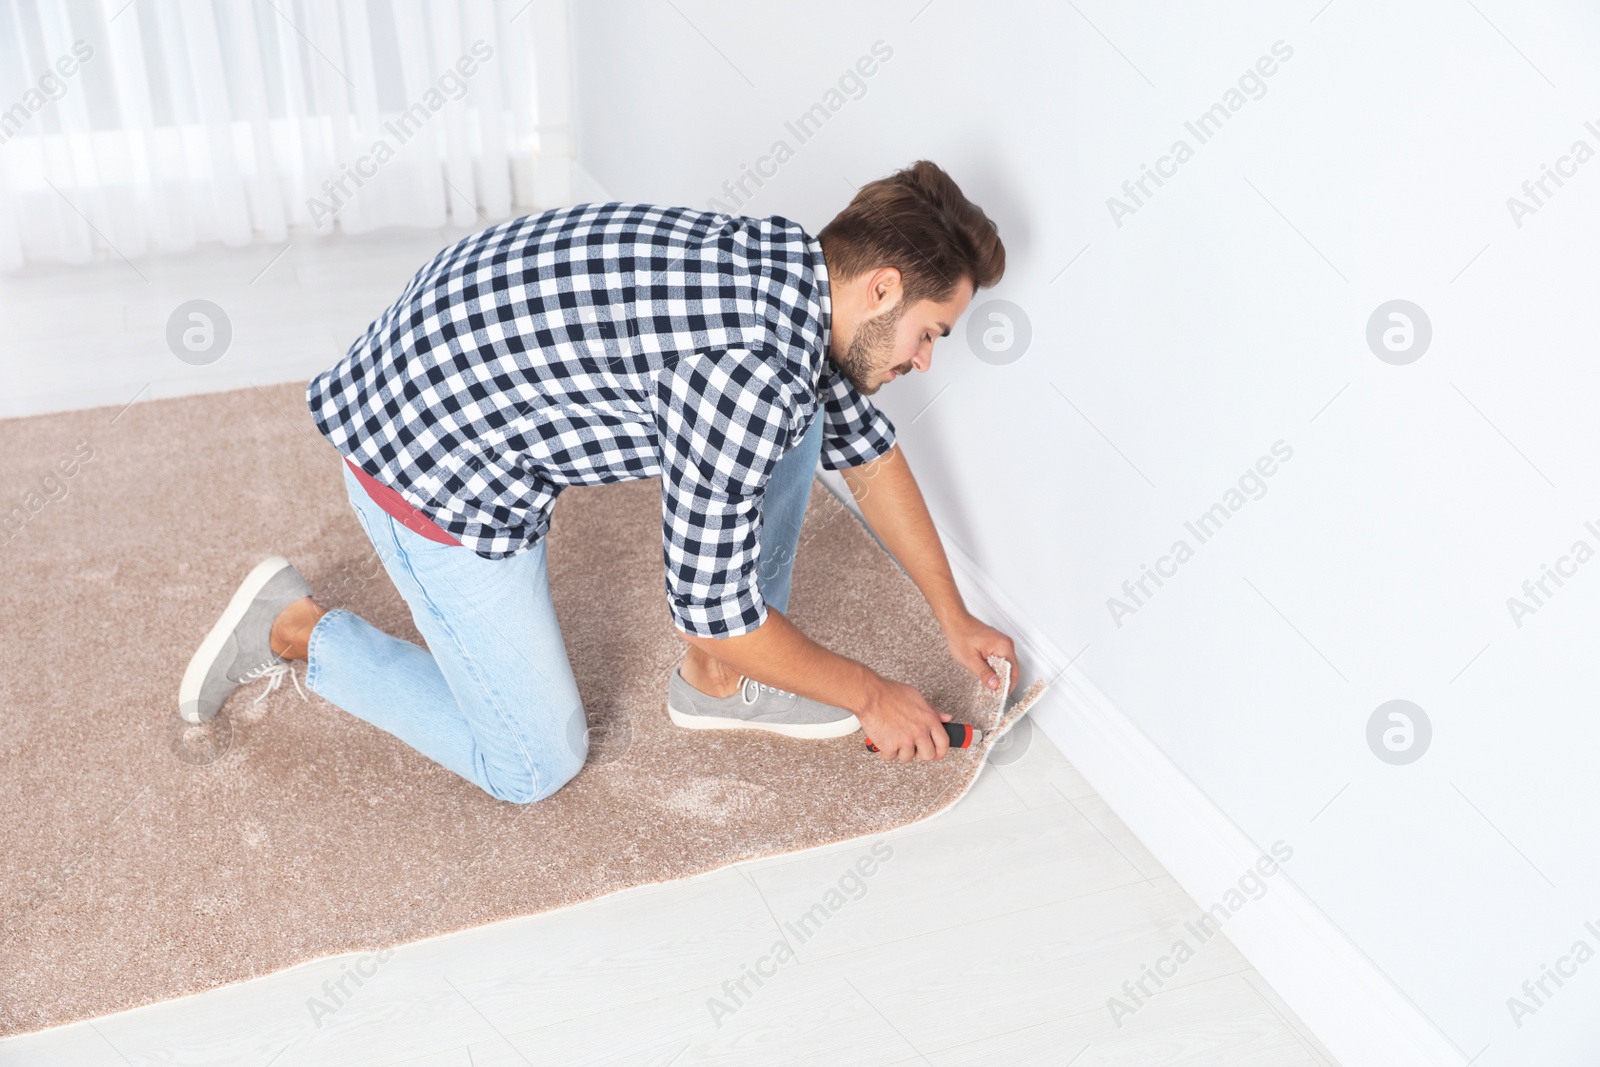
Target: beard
870	349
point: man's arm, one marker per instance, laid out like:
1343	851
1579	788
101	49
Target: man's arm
719	432
898	719
892	503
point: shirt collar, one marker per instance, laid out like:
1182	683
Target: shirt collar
819	270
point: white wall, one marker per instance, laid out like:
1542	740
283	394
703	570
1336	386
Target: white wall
1229	313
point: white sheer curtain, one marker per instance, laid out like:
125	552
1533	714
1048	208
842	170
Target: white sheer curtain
136	126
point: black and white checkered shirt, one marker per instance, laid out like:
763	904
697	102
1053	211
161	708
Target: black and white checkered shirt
602	343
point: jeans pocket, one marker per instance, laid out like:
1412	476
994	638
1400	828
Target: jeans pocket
361	517
359	503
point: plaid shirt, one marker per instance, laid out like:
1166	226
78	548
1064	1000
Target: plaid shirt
602	343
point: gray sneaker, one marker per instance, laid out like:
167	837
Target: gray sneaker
756	707
237	650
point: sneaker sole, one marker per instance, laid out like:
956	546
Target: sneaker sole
812	731
194	676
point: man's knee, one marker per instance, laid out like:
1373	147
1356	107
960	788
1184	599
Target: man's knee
553	774
567	757
553	762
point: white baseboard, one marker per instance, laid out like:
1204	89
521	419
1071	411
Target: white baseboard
1335	989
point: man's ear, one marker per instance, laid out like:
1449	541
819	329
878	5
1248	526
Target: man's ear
883	289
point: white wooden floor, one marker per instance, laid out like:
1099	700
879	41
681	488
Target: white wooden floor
993	935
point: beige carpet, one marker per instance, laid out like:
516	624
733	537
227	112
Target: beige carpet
140	860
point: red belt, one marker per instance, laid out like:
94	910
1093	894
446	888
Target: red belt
394	505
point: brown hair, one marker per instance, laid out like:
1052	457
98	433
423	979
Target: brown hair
917	220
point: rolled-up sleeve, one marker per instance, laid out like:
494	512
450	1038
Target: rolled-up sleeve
723	419
854	431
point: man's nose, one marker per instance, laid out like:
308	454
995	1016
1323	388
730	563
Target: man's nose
922	360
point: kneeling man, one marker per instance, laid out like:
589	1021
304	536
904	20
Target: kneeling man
601	343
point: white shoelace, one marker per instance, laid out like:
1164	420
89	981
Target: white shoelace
273	674
749	698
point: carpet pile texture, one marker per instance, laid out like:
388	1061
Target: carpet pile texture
143	859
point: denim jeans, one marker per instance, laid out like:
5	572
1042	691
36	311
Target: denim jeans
492	697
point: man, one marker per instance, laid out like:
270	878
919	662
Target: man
607	342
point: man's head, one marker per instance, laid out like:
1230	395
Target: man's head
904	260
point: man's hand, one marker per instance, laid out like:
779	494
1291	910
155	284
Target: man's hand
902	724
972	642
895	716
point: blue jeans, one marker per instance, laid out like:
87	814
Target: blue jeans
492	697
